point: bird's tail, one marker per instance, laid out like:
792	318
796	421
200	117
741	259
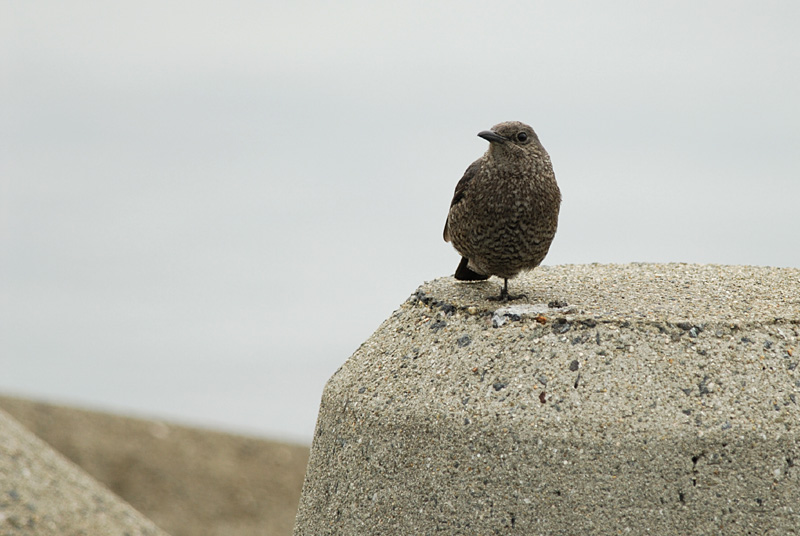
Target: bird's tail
465	273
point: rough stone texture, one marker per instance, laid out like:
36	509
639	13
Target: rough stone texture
43	493
189	481
618	399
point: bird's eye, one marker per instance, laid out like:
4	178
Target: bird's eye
522	137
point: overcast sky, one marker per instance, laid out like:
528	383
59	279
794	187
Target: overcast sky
207	206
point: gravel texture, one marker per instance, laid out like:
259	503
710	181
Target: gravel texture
631	399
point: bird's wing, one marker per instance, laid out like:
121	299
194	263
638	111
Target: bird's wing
461	188
462	185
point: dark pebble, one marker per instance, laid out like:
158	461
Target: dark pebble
439	324
703	385
561	326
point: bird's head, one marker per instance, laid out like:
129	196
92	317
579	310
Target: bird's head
511	138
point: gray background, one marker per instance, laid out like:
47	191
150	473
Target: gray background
206	207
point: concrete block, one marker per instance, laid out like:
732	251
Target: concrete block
188	481
615	399
42	493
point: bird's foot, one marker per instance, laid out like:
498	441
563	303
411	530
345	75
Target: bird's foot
506	297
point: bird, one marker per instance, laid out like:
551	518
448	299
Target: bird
504	212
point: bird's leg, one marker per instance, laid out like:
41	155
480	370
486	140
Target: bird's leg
504	295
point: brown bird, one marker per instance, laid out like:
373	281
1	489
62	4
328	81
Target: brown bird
504	212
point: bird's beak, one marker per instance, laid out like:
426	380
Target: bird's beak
492	136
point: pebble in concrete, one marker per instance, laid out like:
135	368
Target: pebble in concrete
631	399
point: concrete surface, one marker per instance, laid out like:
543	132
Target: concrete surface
615	399
43	493
190	481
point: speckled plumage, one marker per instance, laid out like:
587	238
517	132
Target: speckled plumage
504	212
